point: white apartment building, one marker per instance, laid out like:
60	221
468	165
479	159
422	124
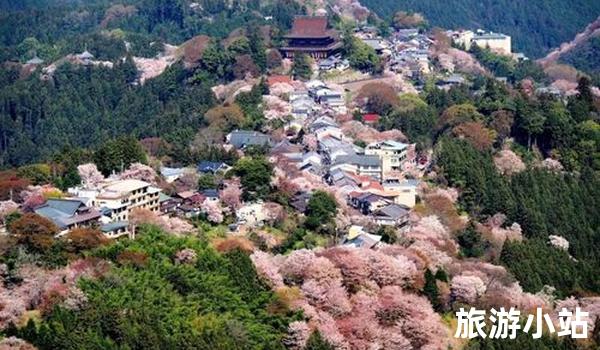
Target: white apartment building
392	154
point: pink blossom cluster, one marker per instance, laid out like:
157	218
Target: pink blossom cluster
508	163
356	298
139	171
275	107
359	131
186	256
90	176
41	289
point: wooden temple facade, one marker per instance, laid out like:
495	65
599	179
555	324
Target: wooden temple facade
310	35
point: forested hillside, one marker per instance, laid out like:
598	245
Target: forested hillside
535	25
585	57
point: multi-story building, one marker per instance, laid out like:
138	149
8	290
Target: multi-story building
496	42
123	196
391	153
359	164
310	35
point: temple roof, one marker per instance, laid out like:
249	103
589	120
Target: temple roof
309	27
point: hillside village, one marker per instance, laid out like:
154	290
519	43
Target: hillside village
361	175
329	138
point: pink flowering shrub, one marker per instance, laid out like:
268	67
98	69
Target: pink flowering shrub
90	176
139	171
186	256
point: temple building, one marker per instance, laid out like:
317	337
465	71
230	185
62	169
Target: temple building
310	35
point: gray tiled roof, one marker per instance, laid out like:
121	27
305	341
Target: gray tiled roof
359	159
393	211
241	138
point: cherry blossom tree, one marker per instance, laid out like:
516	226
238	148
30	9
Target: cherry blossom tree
6	208
298	334
467	288
90	175
559	242
139	171
274	212
231	194
508	163
177	226
213	210
266	267
32	200
14	343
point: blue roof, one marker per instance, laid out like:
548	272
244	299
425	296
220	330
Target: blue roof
209	167
63	211
111	226
212	193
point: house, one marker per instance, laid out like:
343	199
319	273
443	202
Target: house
328	64
172	174
278	79
329	131
207	167
331	98
300	201
331	148
392	154
168	204
451	81
311	161
211	194
322	122
358	238
115	229
407	34
68	214
244	138
403	191
359	164
496	42
370	118
123	196
367	202
379	45
86	57
252	214
303	107
391	215
310	35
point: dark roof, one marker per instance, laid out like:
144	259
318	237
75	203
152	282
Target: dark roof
300	201
65	212
309	27
359	159
211	193
393	211
209	167
112	226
